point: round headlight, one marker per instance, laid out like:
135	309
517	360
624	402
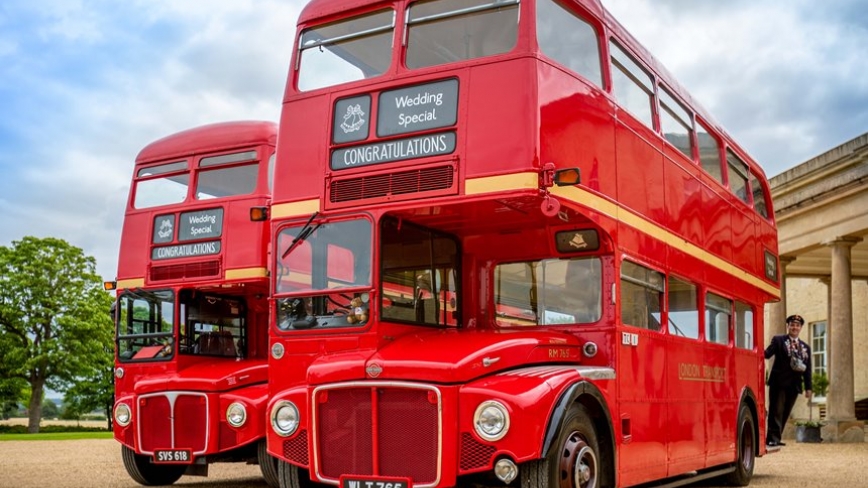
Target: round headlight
236	414
491	420
123	414
284	418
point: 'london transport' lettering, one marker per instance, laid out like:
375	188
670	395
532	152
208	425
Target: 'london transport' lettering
696	372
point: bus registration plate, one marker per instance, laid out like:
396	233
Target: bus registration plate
173	456
374	482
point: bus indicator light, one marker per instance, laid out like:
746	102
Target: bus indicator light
258	214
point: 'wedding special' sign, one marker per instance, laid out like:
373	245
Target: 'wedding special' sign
416	108
192	226
401	111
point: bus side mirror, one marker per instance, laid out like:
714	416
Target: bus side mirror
568	177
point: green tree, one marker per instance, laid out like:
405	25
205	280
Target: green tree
54	323
11	394
93	392
49	409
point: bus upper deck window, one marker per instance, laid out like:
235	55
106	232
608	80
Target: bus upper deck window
568	39
216	179
444	31
344	51
163	184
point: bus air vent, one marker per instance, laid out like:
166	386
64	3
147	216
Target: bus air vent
401	185
474	454
201	269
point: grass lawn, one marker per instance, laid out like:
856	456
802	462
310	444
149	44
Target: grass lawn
55	436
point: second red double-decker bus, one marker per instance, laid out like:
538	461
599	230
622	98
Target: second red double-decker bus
509	249
192	304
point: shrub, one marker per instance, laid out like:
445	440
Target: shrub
820	383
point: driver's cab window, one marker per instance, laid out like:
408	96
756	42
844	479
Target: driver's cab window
145	325
548	292
212	325
323	274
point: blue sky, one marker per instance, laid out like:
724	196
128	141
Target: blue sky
85	84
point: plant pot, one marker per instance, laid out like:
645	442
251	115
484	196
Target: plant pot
808	433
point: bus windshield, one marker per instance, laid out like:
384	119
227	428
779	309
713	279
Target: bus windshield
349	50
327	269
548	292
145	324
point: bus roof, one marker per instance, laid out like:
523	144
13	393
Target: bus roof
208	137
318	9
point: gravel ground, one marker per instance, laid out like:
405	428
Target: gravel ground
97	463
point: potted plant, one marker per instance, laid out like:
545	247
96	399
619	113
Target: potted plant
809	430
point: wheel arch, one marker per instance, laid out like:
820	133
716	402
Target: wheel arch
589	396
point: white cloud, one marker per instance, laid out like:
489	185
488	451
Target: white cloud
228	61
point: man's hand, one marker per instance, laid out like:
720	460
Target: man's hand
808	394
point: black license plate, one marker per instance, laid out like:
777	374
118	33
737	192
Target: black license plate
173	456
374	482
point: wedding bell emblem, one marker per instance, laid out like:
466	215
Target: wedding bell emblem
165	229
353	119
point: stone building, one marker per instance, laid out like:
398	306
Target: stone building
821	209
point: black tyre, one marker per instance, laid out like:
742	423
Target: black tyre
267	464
746	449
573	462
291	476
143	471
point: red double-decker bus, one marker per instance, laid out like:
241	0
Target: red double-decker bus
509	249
192	304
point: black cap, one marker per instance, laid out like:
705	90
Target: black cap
796	318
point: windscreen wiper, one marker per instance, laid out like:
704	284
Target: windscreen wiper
305	232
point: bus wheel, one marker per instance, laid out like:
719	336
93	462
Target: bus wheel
574	462
745	458
267	464
143	471
291	476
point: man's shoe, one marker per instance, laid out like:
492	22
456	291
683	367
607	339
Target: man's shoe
781	443
771	443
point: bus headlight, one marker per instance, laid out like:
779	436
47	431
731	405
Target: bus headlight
123	414
284	418
491	420
236	414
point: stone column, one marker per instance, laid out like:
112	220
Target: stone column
778	310
841	407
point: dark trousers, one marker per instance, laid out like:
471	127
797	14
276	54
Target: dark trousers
781	401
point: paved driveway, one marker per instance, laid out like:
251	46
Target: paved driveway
92	463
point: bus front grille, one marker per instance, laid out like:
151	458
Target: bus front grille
400	424
173	420
400	185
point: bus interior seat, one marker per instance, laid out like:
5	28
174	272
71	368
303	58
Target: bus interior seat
216	344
